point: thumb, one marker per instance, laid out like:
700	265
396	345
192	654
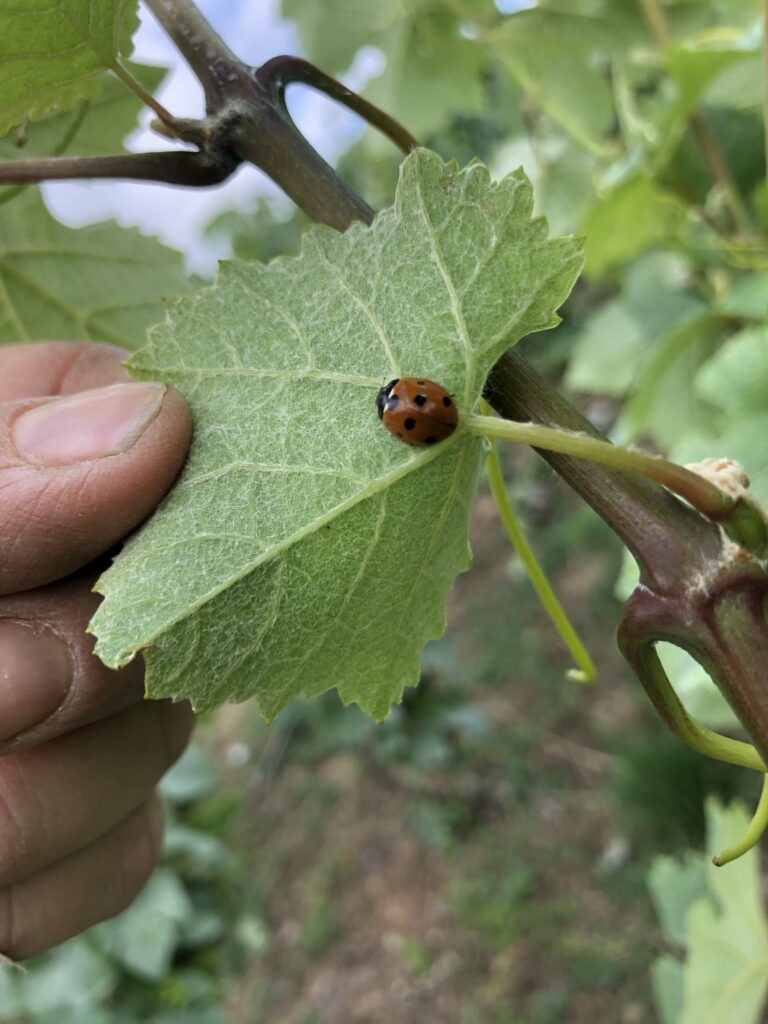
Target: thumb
79	472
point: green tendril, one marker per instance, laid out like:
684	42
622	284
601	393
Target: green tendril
750	838
585	673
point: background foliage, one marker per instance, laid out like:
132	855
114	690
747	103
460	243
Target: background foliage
487	848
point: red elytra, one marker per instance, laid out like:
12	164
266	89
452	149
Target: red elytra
416	410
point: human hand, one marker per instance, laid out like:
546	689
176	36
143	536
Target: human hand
80	751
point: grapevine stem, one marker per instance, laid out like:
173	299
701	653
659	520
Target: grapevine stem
750	838
585	673
706	497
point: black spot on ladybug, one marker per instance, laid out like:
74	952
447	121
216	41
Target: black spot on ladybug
409	423
430	440
420	399
446	401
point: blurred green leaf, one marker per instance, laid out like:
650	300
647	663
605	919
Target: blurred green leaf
667	986
663	403
743	438
75	978
432	69
747	297
143	938
628	219
696	64
726	970
717	915
738	85
553	55
674	886
645	344
201	850
191	777
100	283
736	377
608	352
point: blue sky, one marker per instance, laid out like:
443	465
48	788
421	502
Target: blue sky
256	32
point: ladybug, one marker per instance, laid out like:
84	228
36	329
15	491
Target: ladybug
417	411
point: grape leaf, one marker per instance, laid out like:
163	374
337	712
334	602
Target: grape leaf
101	283
92	127
736	377
631	217
717	913
304	547
552	54
726	971
54	54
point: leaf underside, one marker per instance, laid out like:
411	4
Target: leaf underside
304	547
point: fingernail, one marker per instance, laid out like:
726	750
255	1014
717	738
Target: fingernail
35	675
89	425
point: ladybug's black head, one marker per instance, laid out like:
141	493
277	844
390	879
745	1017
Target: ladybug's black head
383	395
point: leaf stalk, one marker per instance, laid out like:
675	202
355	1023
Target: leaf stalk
585	672
705	496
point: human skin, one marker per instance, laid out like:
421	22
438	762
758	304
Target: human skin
81	751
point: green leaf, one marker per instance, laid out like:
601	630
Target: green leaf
663	404
551	54
93	127
734	382
717	913
743	438
608	352
100	283
192	777
726	972
696	65
736	377
747	297
627	220
630	343
304	547
674	886
54	54
77	976
667	986
143	938
432	70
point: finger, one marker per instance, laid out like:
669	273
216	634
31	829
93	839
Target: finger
45	368
50	680
58	797
79	472
95	883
